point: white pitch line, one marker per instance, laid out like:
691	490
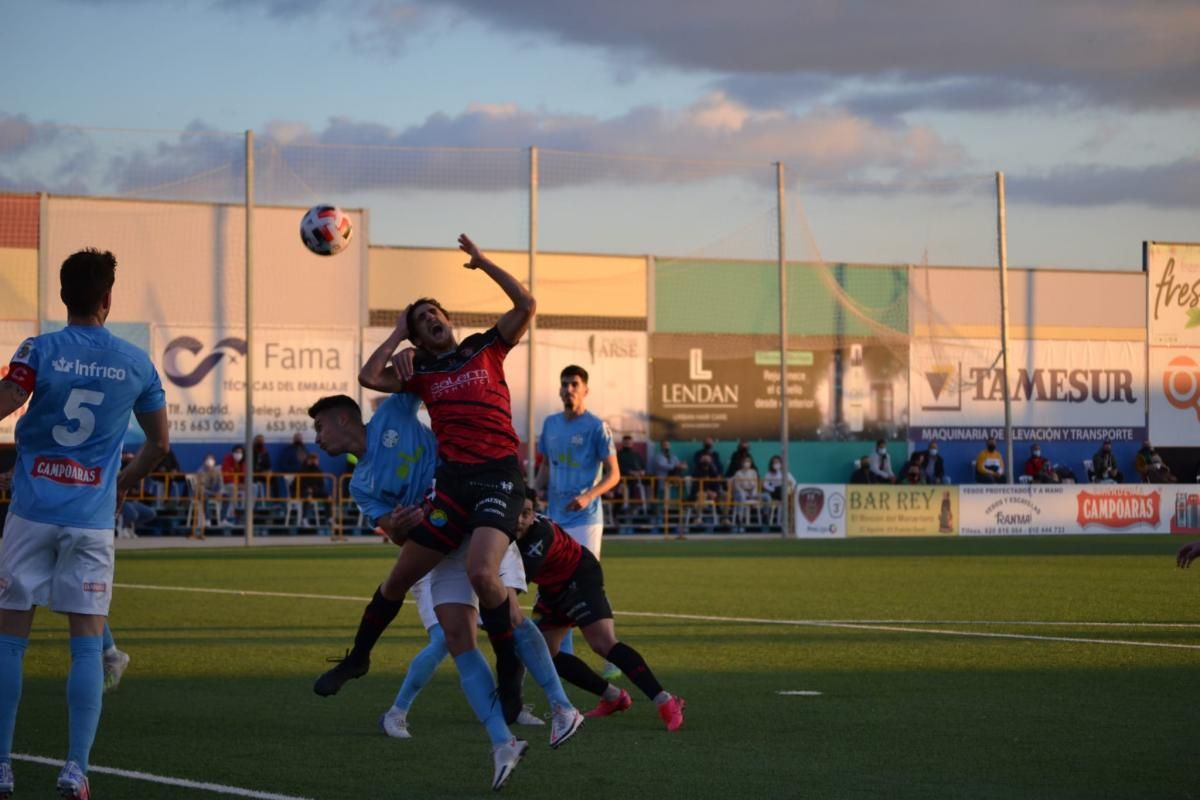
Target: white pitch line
898	626
798	692
182	783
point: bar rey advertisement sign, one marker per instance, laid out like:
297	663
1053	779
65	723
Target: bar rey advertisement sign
730	386
886	510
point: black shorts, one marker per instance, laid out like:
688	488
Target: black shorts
470	496
580	601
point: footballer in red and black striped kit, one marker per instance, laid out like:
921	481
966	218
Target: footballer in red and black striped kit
571	593
479	486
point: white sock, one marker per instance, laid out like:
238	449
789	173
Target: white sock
611	693
662	697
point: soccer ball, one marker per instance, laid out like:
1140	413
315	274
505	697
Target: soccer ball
326	230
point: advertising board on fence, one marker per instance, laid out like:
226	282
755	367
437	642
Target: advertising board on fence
203	375
730	386
819	511
1043	509
886	510
1172	303
1060	390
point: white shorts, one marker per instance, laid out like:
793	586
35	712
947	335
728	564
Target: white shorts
448	582
590	536
68	569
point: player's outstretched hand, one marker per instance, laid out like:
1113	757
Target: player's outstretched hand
478	259
1187	554
402	363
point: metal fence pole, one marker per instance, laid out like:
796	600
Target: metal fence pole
785	515
531	444
1002	235
248	461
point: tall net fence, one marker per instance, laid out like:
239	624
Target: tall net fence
661	276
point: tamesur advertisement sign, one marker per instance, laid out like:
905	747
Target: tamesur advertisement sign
730	386
1059	390
203	375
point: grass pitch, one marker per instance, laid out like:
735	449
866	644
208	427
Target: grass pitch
1064	667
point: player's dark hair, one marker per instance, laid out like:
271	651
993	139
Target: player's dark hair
85	277
573	370
410	319
531	494
335	401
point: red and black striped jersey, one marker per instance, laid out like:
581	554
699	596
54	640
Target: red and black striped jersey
549	553
468	400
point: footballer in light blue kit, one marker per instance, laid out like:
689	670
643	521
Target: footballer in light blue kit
579	463
58	538
398	467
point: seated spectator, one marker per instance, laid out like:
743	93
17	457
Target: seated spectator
989	464
1141	462
707	449
1039	468
881	464
294	456
743	485
169	470
863	473
633	474
666	465
136	515
1159	472
314	488
735	461
772	482
913	475
707	483
933	465
1104	465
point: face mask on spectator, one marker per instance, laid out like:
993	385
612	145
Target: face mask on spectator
933	451
237	455
1036	452
210	462
881	450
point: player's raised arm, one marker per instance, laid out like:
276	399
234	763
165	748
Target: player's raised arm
377	373
513	324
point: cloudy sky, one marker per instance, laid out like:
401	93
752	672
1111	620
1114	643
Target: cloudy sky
890	117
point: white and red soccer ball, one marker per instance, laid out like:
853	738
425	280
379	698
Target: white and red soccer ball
326	230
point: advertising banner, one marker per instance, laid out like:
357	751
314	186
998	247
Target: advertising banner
1043	509
1172	294
1175	396
819	511
1059	390
886	510
729	386
615	362
202	370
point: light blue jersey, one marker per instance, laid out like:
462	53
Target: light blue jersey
398	467
575	451
84	383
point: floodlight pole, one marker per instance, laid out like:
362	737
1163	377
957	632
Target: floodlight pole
785	510
1002	236
248	460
